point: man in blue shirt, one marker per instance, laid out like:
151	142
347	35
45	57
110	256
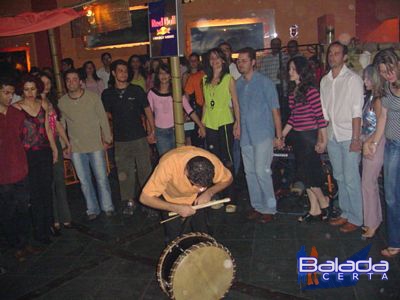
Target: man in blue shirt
261	130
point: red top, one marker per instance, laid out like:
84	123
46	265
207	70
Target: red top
34	131
13	163
308	115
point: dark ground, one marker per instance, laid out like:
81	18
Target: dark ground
116	258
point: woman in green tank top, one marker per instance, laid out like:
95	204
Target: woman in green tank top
221	107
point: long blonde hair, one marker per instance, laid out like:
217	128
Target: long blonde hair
372	73
390	59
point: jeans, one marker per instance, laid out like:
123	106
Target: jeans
165	139
95	161
392	191
345	166
257	161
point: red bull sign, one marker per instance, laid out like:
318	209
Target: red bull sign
165	26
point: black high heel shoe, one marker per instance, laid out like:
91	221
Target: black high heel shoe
308	218
325	214
55	231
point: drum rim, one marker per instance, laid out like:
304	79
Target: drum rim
165	285
197	246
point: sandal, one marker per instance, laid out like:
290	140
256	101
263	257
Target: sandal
390	252
368	232
325	214
308	218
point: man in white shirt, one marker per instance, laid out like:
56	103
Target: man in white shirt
342	101
104	72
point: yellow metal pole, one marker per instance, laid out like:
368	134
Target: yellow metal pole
56	63
177	96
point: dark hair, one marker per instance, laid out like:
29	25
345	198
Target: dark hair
30	78
209	70
68	61
141	68
306	76
200	171
34	71
5	80
113	67
250	51
104	54
292	43
157	83
52	95
224	43
71	71
195	55
345	49
84	74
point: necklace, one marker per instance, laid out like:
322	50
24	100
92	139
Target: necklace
121	92
76	98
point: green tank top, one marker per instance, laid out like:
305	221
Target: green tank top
217	102
140	82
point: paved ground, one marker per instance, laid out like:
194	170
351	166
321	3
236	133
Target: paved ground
117	258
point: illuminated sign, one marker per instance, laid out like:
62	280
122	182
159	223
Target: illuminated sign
165	28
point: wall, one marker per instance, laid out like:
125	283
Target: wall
378	20
288	12
12	8
73	47
301	12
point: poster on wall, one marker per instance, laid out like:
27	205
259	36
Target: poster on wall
238	36
165	28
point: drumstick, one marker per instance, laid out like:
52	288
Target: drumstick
169	219
204	205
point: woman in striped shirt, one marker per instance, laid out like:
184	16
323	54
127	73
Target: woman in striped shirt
308	126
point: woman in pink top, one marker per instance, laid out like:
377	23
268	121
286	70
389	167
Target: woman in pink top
90	80
161	103
309	135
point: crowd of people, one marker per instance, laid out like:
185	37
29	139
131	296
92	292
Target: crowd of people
118	111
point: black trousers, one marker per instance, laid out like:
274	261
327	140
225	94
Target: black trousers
308	162
220	143
195	223
40	186
14	213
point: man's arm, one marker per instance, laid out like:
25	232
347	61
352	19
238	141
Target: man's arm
357	97
211	191
355	145
276	115
157	203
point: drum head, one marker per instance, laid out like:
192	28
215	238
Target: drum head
205	271
172	252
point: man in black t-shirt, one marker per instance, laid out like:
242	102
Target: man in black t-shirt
126	103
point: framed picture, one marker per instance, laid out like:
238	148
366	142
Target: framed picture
16	58
256	32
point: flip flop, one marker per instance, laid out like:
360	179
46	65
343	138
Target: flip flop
390	252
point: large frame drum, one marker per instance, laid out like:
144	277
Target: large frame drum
194	266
